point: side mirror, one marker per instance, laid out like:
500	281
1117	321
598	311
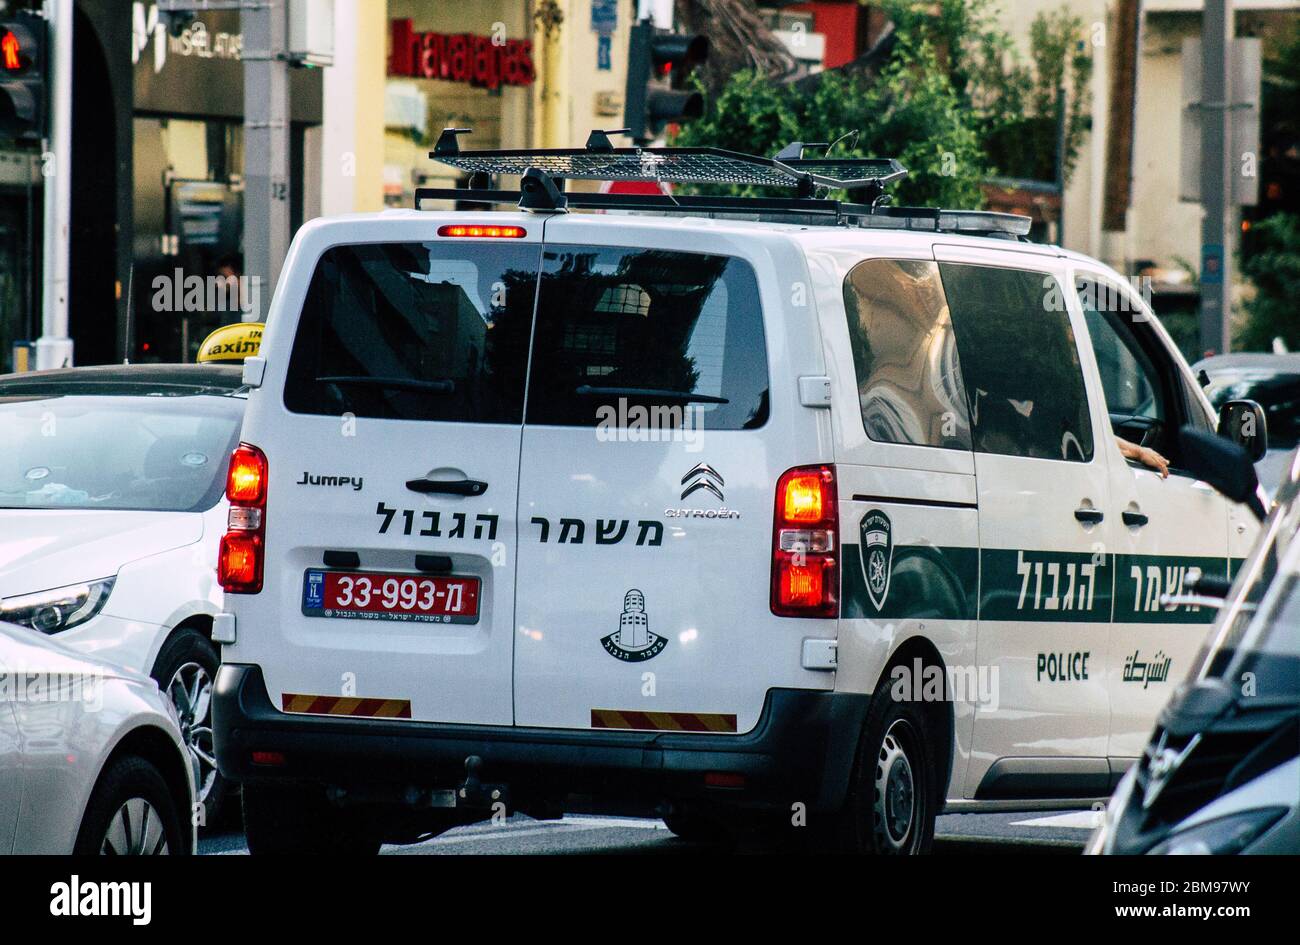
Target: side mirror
1224	465
1243	423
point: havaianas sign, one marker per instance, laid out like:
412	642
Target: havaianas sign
485	61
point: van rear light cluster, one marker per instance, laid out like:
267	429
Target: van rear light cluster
805	559
241	560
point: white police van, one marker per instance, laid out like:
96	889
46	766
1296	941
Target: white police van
812	522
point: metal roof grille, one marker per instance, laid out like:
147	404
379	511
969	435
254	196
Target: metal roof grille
678	165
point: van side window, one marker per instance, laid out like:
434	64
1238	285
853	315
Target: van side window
1020	363
1135	399
649	338
1144	399
415	331
909	378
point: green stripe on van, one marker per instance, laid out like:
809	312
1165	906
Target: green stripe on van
924	581
957	583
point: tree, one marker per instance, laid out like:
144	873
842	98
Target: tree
1015	103
1274	268
954	102
1270	255
909	111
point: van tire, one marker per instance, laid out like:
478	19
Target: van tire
893	791
291	819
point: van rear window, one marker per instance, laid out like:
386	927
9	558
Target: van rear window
415	331
625	332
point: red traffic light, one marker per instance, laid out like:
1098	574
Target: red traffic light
11	50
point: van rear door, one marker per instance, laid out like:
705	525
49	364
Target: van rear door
650	460
393	457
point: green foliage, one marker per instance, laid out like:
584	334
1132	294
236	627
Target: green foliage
955	103
1015	102
1275	270
1271	250
910	111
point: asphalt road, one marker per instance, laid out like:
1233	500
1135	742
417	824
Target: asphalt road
1042	833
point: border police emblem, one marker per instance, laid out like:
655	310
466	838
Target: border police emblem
876	552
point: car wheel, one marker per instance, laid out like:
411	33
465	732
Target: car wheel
280	819
184	672
893	794
131	813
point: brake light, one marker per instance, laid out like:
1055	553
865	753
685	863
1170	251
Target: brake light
242	556
805	559
475	231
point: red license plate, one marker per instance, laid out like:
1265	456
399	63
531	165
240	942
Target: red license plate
373	595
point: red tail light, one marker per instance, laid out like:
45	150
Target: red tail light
805	558
246	481
241	560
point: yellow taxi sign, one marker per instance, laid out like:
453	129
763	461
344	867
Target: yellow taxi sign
231	343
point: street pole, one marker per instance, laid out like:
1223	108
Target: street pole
1062	140
265	24
1216	177
54	347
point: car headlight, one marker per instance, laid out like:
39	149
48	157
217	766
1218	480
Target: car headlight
58	609
1221	836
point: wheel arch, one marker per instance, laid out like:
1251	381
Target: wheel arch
152	744
201	622
940	713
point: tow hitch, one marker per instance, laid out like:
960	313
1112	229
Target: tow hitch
474	793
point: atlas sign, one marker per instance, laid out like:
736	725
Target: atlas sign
485	61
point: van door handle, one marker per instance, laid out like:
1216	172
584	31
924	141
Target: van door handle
448	486
1089	516
1135	519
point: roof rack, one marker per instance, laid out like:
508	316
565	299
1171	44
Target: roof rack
542	174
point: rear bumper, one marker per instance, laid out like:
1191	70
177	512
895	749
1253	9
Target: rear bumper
801	750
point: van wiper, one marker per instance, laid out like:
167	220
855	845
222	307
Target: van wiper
442	385
652	393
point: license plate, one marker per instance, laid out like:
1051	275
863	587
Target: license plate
373	595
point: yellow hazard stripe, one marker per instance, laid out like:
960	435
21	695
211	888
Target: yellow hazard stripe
351	706
633	720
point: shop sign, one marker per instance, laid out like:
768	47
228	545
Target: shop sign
485	61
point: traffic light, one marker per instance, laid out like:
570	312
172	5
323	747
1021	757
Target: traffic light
23	41
658	63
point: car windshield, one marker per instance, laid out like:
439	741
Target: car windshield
116	452
1256	644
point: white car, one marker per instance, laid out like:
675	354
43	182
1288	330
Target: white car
91	756
111	509
820	517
